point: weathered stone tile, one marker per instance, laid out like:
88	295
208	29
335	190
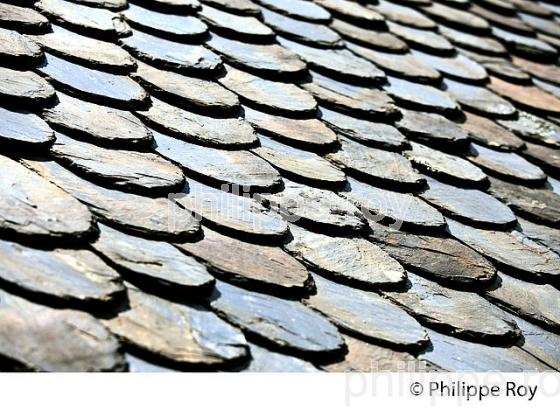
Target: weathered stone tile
265	361
154	264
487	132
457	66
471	206
307	133
403	14
354	12
339	63
367	315
142	172
420	96
23	129
550	40
184	335
382	40
457	355
512	251
269	95
486	45
138	365
544	235
508	21
105	4
456	17
284	325
247	27
185	6
479	99
191	92
544	25
548	87
401	65
173	26
422	39
18	49
154	217
354	261
376	165
537	9
218	132
546	72
260	267
533	128
396	208
506	165
303	10
529	47
305	32
363	101
553	185
442	259
97	123
227	212
40	338
498	66
23	19
444	166
186	58
368	133
462	314
268	59
24	88
536	303
241	7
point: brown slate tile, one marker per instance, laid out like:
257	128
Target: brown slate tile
525	46
548	87
422	39
403	14
299	9
533	128
23	129
508	22
531	7
17	49
479	99
377	39
529	97
239	27
546	72
23	19
498	66
353	12
24	88
486	132
457	18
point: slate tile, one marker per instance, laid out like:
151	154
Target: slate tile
525	46
462	314
422	39
172	26
265	361
353	12
394	208
105	4
527	96
376	134
470	206
479	99
498	66
544	25
240	27
180	335
365	102
550	40
267	59
241	7
40	338
96	123
533	128
309	134
544	235
537	9
163	53
547	87
502	20
154	217
376	165
403	14
475	42
439	258
218	166
274	96
456	67
281	324
138	365
511	251
303	10
367	315
189	92
354	261
23	19
338	63
545	72
253	266
23	129
24	88
17	49
85	50
486	132
378	39
189	126
185	6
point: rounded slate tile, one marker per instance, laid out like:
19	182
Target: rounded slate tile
304	166
105	4
465	315
422	39
472	206
187	58
172	26
30	207
508	20
139	172
456	17
24	88
444	166
269	95
544	25
479	99
23	19
498	66
281	324
527	96
241	7
18	49
545	72
85	50
40	338
265	361
544	235
488	133
367	315
533	128
263	268
184	6
457	67
218	166
154	264
377	39
300	9
376	165
354	261
404	14
96	123
546	158
247	27
548	87
486	45
529	47
24	129
354	12
394	208
190	92
217	132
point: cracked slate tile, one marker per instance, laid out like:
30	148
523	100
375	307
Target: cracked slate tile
439	258
154	217
462	314
354	261
366	315
24	129
299	9
23	19
40	338
240	27
404	15
281	324
353	12
241	7
189	126
456	67
486	132
544	235
24	88
253	266
479	99
181	335
422	39
17	49
481	44
265	361
529	47
533	128
377	39
456	17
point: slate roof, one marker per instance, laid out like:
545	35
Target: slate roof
392	172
